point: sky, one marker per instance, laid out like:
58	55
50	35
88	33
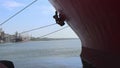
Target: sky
37	15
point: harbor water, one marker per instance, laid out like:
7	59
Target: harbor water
43	54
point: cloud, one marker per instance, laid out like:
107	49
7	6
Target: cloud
12	4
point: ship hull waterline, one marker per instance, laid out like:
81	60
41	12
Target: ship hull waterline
97	24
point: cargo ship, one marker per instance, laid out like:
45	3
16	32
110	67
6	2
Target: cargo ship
97	24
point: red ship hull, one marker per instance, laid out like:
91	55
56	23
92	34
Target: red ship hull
97	23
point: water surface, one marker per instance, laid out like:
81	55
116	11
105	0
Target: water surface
43	54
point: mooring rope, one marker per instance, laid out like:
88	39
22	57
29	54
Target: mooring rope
18	12
38	28
53	32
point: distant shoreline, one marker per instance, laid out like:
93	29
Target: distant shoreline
49	39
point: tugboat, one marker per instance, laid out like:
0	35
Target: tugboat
97	24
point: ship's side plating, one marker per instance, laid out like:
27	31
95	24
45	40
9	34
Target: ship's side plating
97	23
